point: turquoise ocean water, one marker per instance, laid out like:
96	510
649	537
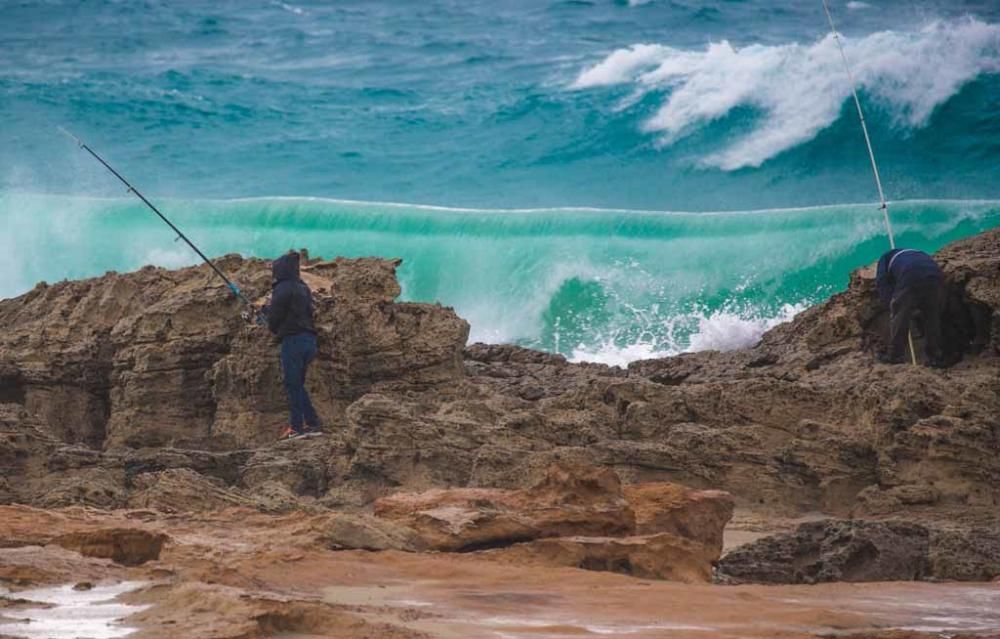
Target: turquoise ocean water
611	180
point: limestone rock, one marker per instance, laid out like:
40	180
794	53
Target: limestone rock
25	447
183	490
126	546
97	487
7	495
663	507
300	465
419	441
569	501
157	357
658	556
832	550
343	531
965	553
275	497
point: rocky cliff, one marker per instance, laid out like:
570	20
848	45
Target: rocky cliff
147	389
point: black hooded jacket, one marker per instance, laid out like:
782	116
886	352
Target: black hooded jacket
901	268
291	308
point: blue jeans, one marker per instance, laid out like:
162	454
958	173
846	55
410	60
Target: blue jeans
297	351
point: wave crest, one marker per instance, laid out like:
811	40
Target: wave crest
797	90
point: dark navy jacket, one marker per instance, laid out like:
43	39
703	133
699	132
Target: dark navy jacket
291	308
900	268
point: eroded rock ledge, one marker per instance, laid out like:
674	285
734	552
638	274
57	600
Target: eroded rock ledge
146	390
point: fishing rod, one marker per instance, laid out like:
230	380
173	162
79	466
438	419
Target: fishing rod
884	205
131	189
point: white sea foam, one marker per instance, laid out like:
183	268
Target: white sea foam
798	89
621	65
177	258
855	5
290	8
71	613
615	355
726	331
722	330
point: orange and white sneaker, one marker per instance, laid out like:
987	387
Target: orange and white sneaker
289	433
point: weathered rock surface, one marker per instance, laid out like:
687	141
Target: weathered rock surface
842	550
364	532
576	516
832	550
157	357
126	546
964	553
570	501
243	574
106	382
662	507
659	556
183	490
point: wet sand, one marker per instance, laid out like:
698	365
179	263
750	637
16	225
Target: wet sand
465	598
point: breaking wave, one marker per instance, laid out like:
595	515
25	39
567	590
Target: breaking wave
593	284
720	330
780	96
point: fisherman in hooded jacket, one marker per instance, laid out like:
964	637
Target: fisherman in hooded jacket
290	317
909	280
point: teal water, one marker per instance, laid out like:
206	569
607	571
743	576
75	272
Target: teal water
610	180
595	284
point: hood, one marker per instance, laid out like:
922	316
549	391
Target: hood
285	267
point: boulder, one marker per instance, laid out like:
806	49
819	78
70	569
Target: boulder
342	531
965	553
570	500
126	546
832	550
664	507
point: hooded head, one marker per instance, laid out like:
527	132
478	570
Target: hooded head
285	267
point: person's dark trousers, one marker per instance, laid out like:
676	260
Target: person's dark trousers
927	296
297	351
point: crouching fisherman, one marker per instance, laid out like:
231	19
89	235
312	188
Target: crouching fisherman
290	317
909	280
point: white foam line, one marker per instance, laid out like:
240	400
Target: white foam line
72	614
554	209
